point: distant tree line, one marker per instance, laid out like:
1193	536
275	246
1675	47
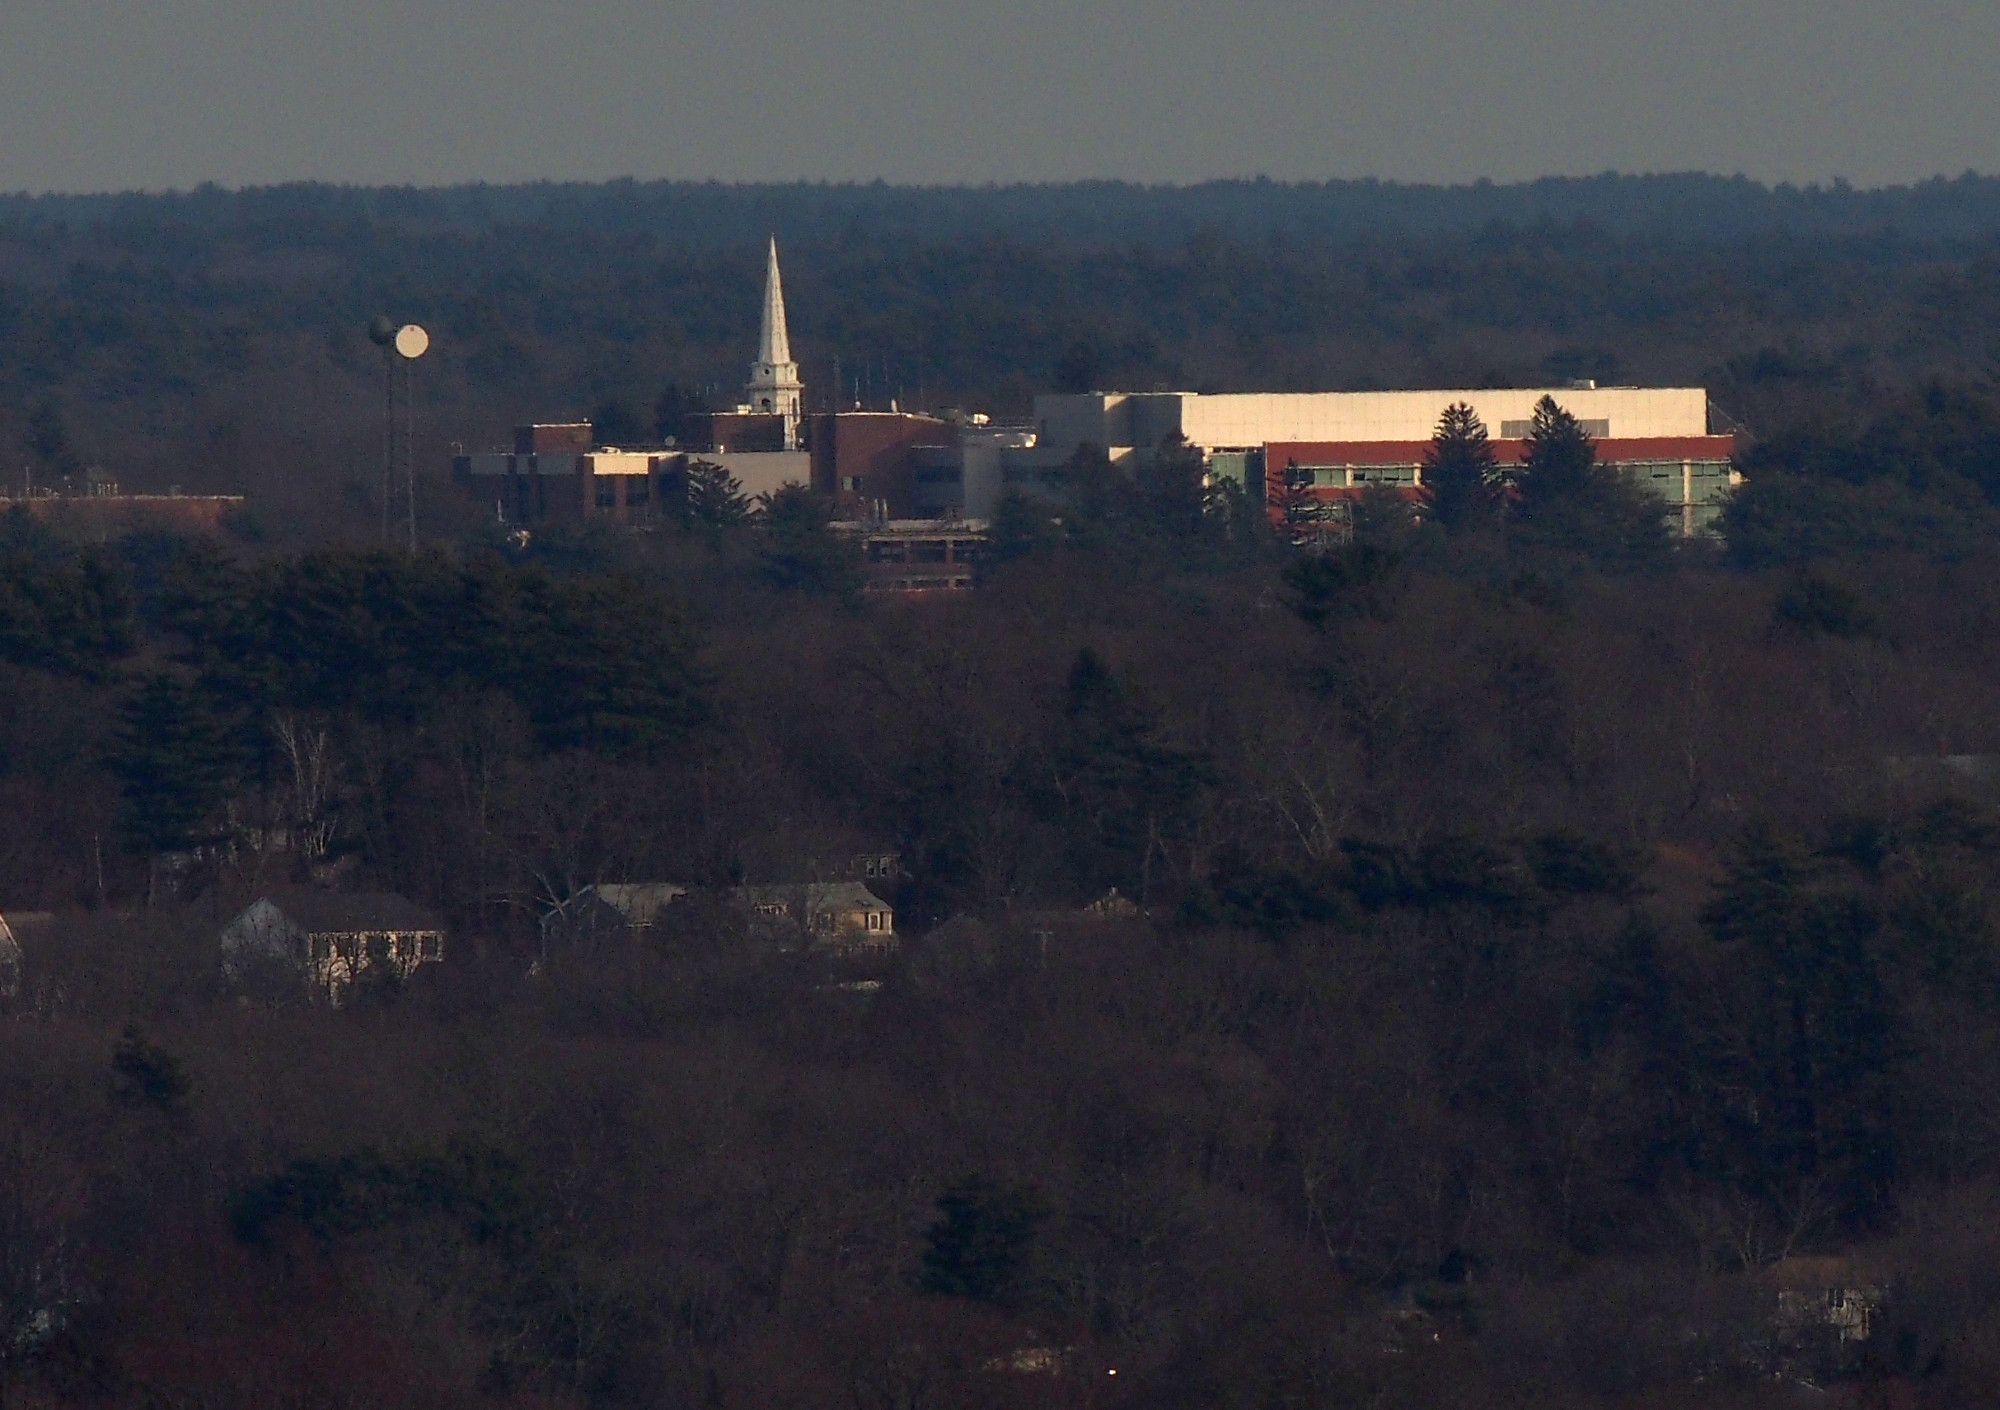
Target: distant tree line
214	340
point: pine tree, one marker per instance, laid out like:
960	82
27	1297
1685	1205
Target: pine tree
715	498
173	760
1124	794
1801	1099
1021	528
1461	476
1172	499
800	554
1556	464
983	1240
1567	503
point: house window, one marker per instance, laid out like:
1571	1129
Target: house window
378	948
316	948
874	921
607	494
427	947
343	946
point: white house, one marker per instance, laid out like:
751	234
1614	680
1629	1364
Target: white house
332	938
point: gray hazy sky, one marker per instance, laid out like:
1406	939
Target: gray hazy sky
110	94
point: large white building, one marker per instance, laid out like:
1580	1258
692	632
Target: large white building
1332	447
1124	422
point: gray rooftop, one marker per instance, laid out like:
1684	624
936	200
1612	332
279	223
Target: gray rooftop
348	912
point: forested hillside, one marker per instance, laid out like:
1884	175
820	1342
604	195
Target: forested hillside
1549	965
214	339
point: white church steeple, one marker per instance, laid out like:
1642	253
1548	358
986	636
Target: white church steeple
774	377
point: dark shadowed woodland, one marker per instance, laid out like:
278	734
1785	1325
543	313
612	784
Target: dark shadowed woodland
1548	962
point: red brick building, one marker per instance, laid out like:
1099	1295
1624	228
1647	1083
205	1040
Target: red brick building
867	459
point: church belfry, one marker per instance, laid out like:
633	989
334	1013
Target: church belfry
774	378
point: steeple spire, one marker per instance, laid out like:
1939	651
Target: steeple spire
774	344
774	378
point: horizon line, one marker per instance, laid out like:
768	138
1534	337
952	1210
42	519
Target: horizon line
1831	186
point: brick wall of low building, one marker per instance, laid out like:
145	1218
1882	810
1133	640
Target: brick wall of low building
864	457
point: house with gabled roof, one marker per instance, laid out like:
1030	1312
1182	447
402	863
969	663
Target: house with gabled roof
332	938
841	914
611	909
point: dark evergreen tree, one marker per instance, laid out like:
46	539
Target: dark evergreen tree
799	553
1021	528
1461	476
1124	794
616	671
174	763
144	1074
1098	515
1238	522
1799	1099
1815	605
1566	503
1777	518
74	617
1381	518
1359	580
983	1241
1557	464
1172	499
715	498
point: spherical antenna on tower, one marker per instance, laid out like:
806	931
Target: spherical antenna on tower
381	330
412	342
